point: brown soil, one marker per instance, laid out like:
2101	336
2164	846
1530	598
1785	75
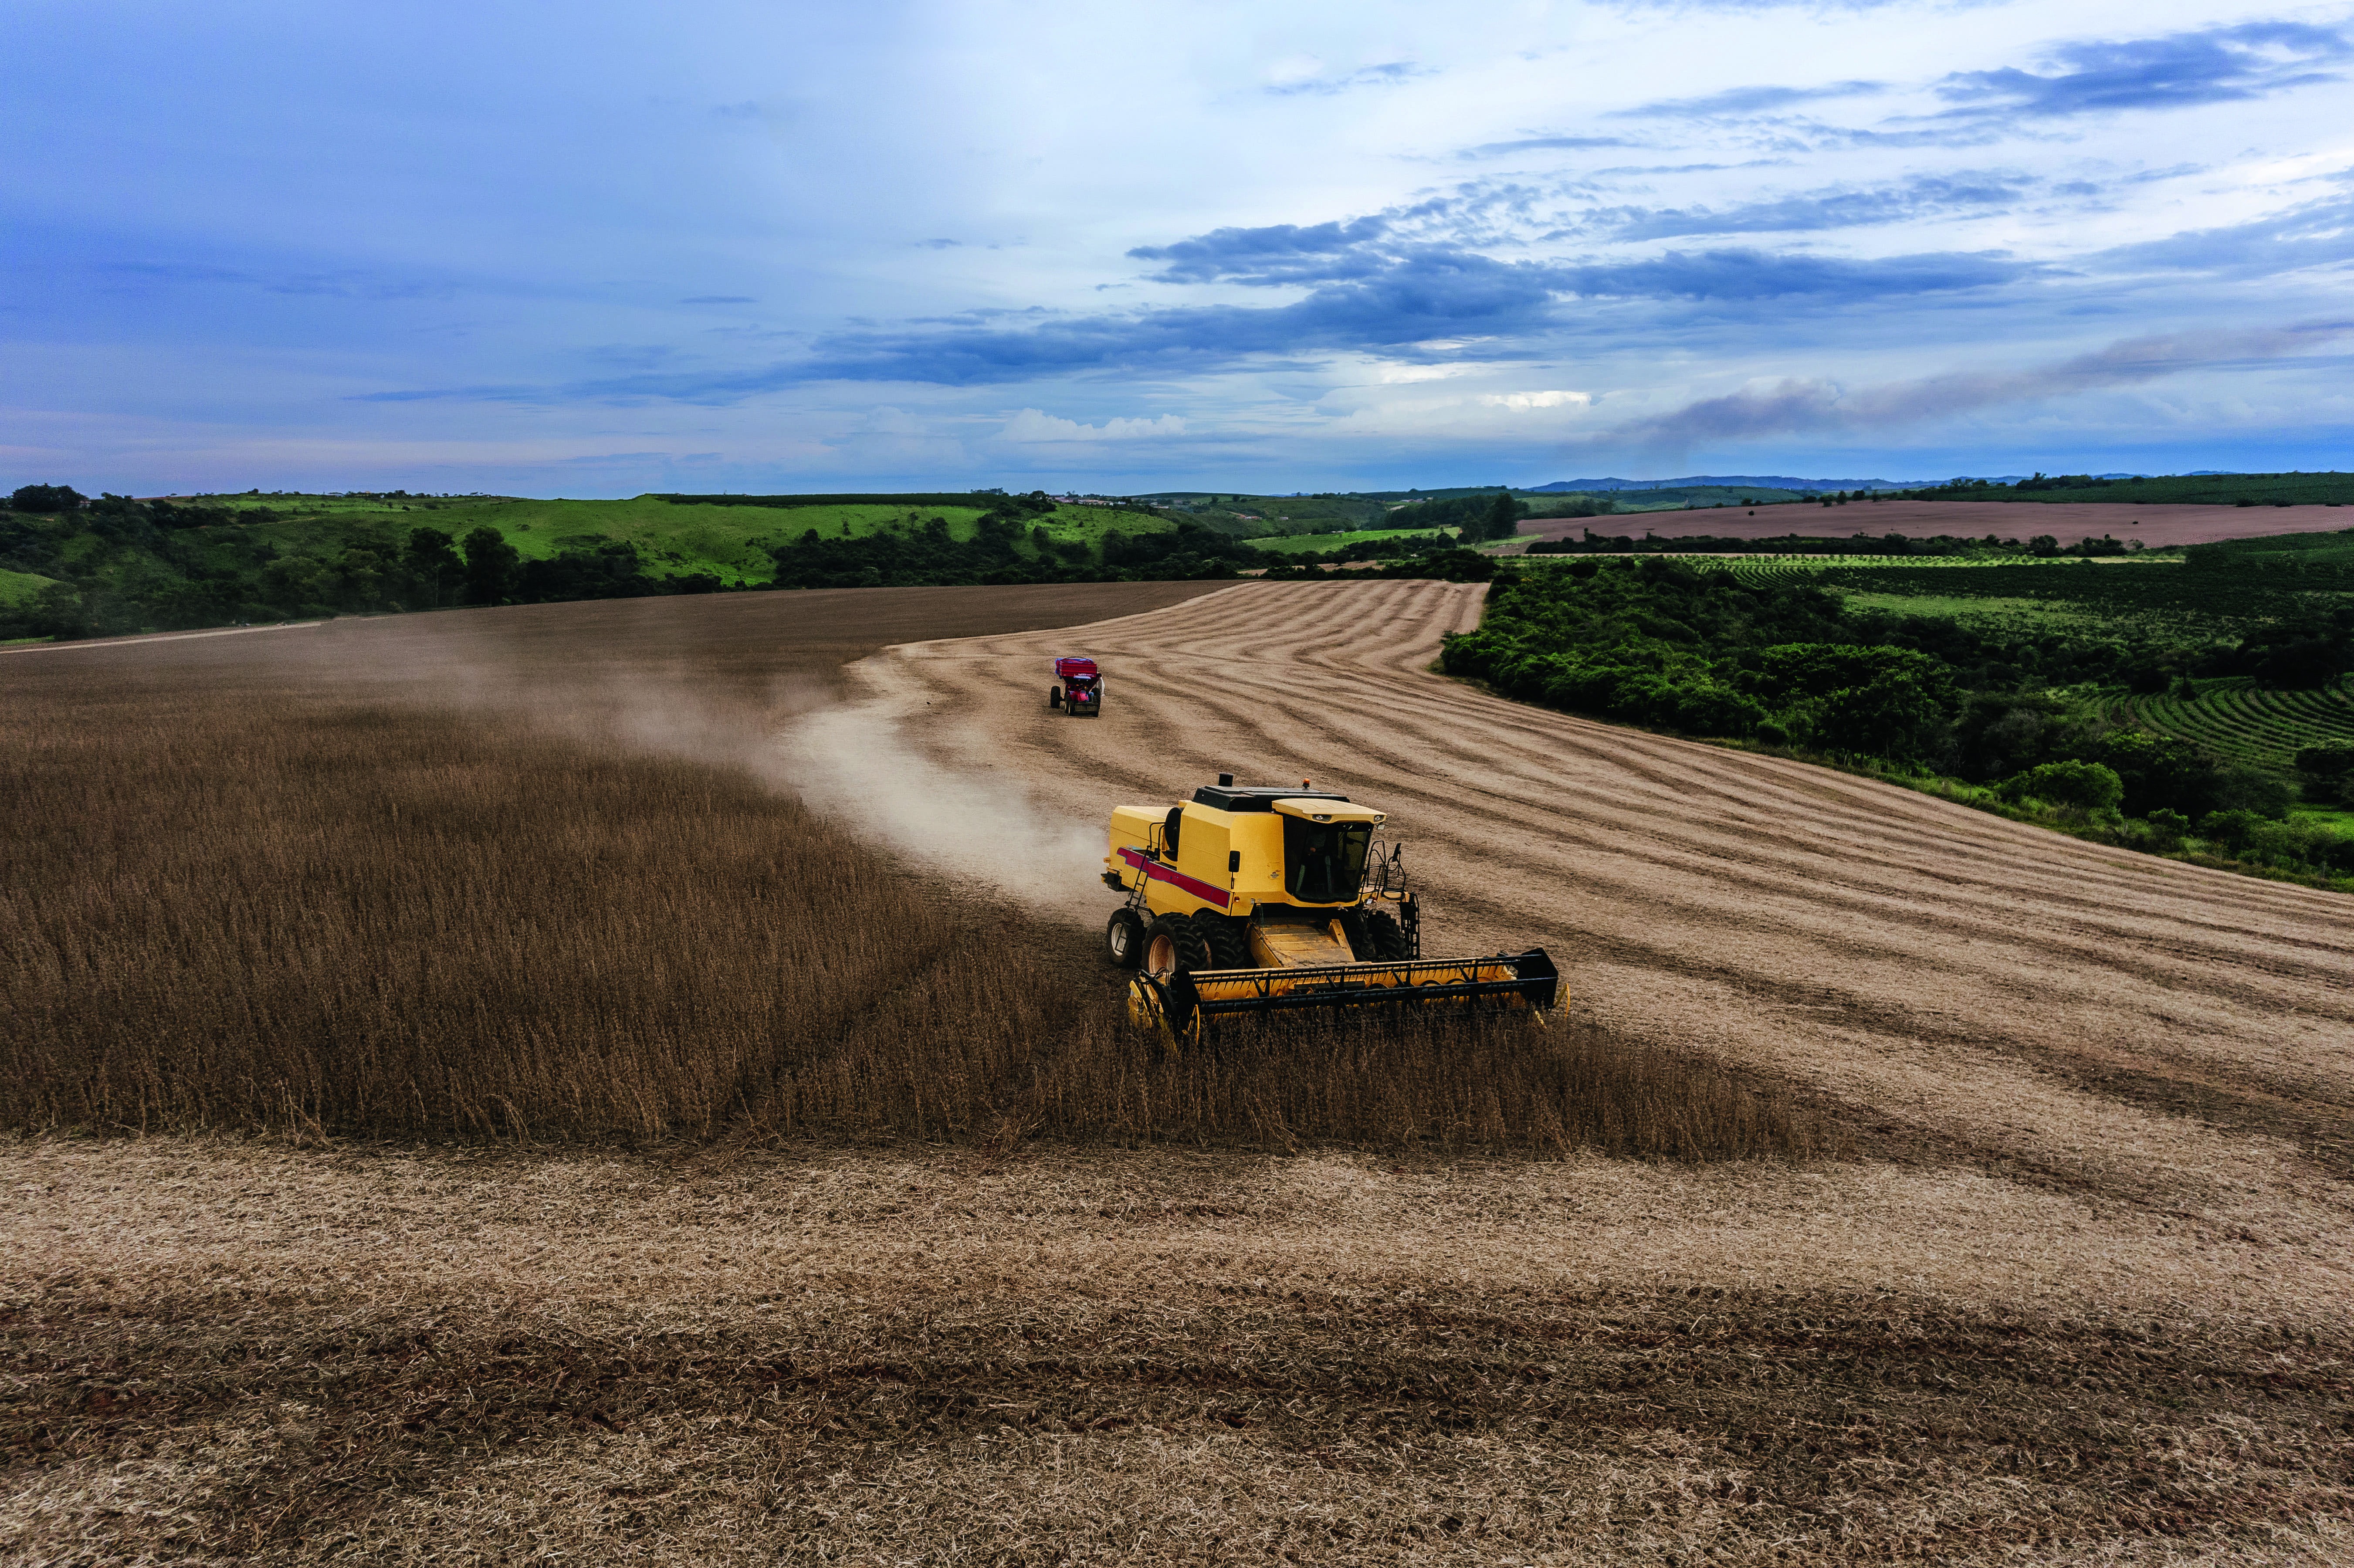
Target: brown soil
2067	521
2083	1297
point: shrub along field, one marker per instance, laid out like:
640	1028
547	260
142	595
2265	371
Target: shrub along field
2181	708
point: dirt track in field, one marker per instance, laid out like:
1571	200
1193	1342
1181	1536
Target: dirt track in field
2067	521
2083	1018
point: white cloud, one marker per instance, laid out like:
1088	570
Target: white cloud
1521	401
1031	426
1405	375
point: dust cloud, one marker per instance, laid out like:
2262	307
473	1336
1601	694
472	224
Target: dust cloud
852	764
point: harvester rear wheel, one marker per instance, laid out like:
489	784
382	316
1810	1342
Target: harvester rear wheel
1174	944
1054	696
1389	942
1124	939
1229	948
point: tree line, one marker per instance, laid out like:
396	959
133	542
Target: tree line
1789	664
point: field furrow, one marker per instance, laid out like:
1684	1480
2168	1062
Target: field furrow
2035	996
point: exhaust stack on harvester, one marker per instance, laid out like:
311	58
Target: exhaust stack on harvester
1251	900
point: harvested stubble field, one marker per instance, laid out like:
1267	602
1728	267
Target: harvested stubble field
2064	1278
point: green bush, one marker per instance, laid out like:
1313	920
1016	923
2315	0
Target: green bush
2075	785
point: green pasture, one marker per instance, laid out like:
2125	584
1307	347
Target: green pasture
1292	544
2338	822
673	539
18	588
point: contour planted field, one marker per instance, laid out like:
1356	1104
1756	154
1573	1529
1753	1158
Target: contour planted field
2236	718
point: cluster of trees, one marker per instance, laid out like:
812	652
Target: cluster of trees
1409	546
1478	518
1654	641
2042	545
1448	562
125	566
930	554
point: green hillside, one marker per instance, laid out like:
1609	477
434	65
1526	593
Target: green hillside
1300	544
167	563
19	587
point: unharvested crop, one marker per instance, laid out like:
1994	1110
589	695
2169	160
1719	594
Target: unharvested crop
548	888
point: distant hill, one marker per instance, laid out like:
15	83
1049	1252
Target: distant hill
1735	480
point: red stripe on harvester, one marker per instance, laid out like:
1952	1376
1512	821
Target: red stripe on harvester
1154	871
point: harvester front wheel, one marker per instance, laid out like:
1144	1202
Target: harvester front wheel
1388	940
1223	935
1174	944
1124	939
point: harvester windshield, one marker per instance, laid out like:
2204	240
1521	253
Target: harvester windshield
1324	862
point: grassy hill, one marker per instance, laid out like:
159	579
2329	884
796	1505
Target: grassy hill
1299	544
726	541
167	563
19	587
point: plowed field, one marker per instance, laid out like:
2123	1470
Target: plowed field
2079	1295
2067	521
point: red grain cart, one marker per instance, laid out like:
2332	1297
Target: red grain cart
1078	688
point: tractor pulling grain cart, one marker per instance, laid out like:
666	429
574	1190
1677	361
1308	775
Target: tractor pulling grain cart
1248	900
1078	689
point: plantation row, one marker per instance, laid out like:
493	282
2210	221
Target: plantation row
1774	569
2232	592
2242	721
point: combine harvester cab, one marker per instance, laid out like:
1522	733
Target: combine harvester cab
1078	688
1246	901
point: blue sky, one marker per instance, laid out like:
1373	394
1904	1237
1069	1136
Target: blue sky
604	248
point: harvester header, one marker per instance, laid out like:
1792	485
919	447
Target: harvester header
1253	899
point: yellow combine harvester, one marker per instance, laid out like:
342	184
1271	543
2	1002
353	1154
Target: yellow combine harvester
1251	900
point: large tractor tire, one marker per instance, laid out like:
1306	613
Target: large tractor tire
1223	935
1389	940
1361	937
1124	940
1054	696
1172	943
